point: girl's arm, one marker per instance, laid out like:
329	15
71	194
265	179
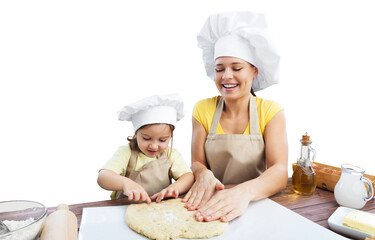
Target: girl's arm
110	180
184	182
180	186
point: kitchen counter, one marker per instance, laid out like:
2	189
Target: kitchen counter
317	207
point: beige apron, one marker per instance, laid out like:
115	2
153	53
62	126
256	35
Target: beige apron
153	176
236	158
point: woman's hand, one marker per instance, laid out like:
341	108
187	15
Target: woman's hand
202	190
166	192
135	192
225	205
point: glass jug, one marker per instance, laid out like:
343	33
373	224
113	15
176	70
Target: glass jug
304	177
350	191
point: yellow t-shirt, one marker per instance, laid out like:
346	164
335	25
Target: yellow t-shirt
120	159
204	111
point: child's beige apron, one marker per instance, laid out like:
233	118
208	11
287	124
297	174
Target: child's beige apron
153	176
236	158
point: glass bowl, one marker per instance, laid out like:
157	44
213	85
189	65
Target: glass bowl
24	219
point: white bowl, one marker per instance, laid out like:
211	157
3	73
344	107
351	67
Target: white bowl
25	219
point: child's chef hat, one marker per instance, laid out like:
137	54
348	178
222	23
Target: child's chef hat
166	109
241	35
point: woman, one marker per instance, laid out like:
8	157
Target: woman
239	143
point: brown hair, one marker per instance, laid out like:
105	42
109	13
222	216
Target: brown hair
133	140
252	92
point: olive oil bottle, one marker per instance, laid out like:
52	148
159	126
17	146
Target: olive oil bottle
304	177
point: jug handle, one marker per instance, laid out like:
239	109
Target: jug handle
370	188
314	153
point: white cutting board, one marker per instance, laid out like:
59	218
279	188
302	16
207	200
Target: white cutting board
264	219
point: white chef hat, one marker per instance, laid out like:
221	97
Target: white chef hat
166	109
242	35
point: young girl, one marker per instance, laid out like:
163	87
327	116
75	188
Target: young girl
142	170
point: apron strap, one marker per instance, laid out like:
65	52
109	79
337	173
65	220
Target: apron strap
217	115
132	162
253	116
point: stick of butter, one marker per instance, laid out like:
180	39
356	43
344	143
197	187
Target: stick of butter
360	220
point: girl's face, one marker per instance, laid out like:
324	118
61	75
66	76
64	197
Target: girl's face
153	139
234	77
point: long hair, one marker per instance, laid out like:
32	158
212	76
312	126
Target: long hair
134	145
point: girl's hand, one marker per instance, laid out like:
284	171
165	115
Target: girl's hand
202	190
135	192
225	205
166	192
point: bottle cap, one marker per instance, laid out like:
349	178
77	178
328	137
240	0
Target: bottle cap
306	138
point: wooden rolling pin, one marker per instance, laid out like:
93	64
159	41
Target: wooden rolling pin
60	225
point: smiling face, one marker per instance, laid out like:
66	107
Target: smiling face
153	139
234	77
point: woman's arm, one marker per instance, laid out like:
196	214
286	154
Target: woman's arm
275	178
231	203
110	180
205	182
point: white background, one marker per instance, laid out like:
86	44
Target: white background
67	67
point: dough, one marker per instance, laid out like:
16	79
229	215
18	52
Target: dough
169	220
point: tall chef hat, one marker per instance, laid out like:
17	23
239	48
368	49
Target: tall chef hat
242	35
166	109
